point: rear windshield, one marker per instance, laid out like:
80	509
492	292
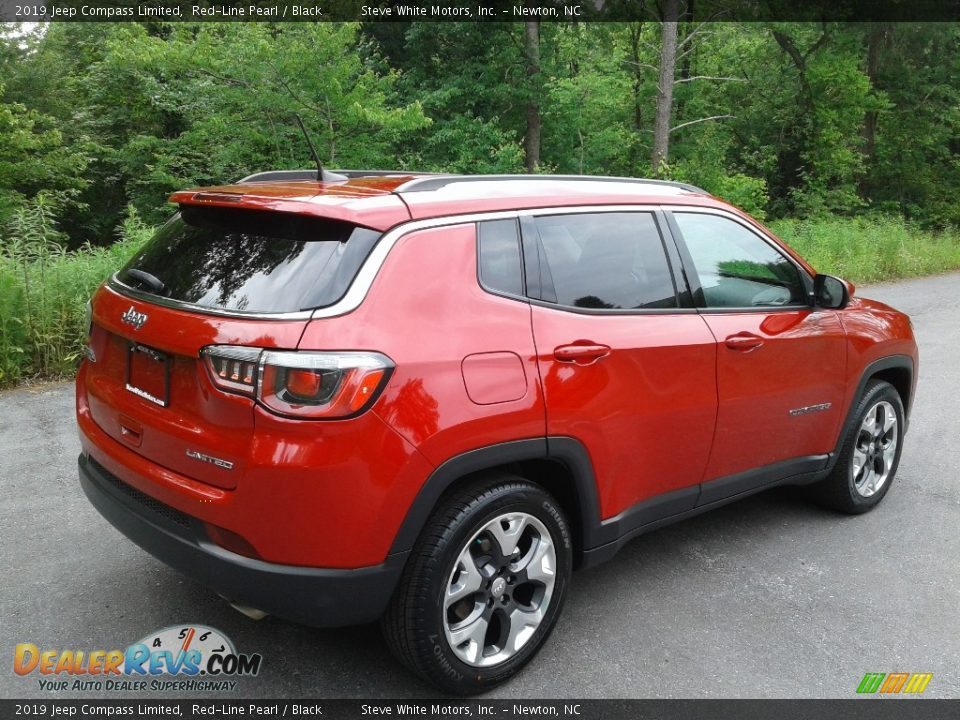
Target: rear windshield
250	260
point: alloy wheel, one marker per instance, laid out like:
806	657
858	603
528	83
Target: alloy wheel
876	449
499	589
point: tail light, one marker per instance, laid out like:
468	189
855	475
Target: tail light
233	369
300	384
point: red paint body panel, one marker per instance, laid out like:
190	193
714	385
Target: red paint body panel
199	418
800	362
874	331
311	494
428	287
646	411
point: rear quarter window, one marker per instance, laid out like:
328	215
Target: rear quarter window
250	260
500	264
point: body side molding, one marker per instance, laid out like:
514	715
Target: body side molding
600	538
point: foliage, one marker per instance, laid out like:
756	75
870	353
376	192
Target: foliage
871	248
168	107
33	158
784	119
44	290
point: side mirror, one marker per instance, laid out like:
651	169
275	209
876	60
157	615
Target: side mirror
830	292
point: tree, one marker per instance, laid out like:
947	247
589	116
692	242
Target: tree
34	160
531	141
668	64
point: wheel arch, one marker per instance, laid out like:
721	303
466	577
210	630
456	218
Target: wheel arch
561	465
897	370
901	377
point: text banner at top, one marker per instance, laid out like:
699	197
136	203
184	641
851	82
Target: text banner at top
480	11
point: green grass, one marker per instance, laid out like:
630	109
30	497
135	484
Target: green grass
871	248
44	291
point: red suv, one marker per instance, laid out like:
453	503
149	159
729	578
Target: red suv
426	399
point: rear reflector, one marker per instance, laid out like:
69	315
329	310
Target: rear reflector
231	541
318	385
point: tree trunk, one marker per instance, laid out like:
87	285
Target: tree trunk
668	63
684	30
531	142
877	35
688	29
635	61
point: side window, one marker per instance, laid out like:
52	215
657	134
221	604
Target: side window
736	268
610	261
500	264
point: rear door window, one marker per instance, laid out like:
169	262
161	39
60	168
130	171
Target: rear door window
249	260
609	261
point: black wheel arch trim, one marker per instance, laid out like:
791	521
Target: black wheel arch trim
890	362
567	451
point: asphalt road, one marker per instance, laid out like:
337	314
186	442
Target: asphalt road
771	597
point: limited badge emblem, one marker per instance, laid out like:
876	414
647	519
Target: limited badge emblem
132	317
202	457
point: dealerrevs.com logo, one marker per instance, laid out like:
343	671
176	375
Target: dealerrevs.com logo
177	658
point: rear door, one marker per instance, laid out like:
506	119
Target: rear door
625	368
780	362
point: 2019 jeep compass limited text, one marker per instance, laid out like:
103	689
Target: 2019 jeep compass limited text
426	399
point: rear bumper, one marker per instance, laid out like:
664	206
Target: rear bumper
312	596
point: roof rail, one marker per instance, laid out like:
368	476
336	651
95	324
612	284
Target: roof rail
436	183
293	175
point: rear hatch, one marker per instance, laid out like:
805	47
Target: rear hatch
211	276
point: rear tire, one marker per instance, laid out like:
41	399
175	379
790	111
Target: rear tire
870	455
483	587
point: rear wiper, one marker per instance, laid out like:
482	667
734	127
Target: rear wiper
152	282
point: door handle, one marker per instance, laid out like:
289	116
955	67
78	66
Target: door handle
744	341
581	353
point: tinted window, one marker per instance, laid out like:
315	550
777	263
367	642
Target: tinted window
250	260
500	268
606	260
736	267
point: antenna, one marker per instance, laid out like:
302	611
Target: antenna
313	150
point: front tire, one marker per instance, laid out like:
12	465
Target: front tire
483	587
870	454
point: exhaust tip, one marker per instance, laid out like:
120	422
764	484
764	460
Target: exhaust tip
250	612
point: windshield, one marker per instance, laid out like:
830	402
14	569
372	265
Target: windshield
250	260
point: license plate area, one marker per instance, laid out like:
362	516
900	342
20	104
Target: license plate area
148	374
